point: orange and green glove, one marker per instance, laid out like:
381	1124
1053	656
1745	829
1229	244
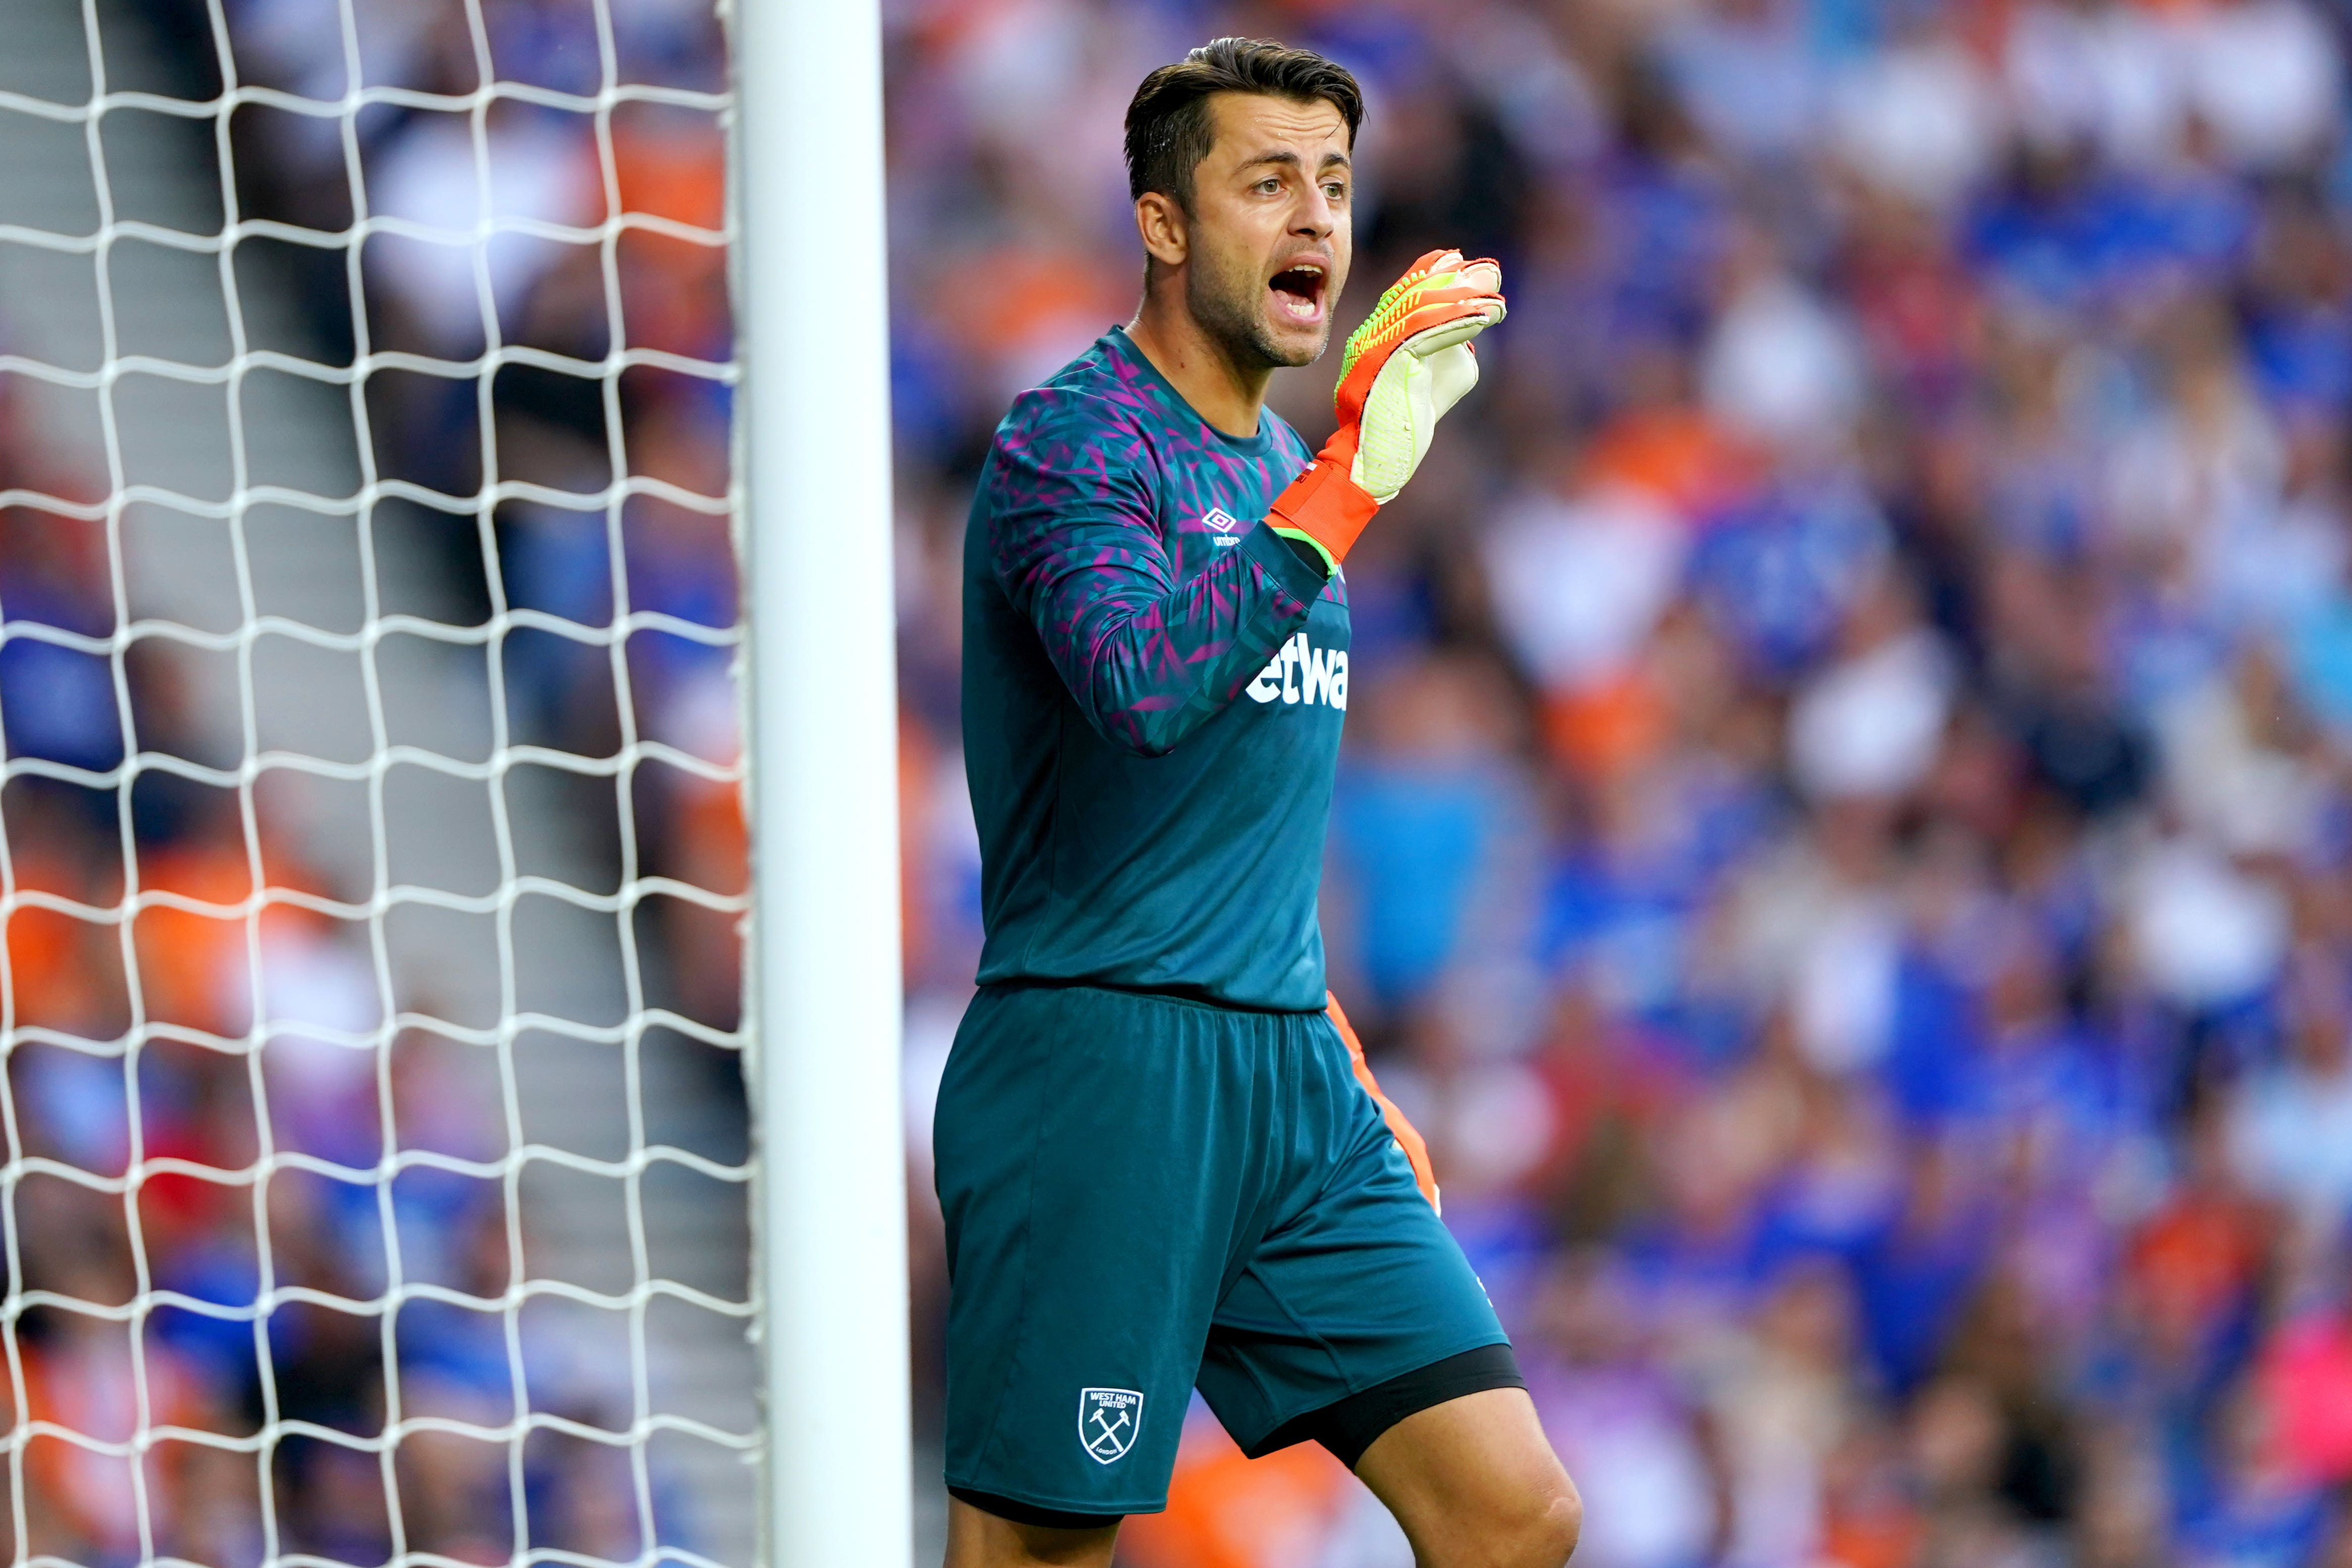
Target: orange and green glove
1401	369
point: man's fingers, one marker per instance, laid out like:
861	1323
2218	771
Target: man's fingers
1435	262
1438	339
1452	324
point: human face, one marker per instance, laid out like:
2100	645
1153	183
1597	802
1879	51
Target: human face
1268	239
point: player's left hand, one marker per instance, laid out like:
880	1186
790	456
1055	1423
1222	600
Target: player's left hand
1408	363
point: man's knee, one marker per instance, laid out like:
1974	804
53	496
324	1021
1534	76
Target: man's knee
1536	1527
1558	1527
1542	1532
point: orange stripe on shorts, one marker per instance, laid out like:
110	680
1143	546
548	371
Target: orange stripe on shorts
1416	1152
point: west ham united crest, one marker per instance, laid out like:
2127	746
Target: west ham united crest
1108	1419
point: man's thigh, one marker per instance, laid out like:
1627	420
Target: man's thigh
978	1538
1475	1481
1091	1159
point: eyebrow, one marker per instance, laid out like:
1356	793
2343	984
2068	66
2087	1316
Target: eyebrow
1291	160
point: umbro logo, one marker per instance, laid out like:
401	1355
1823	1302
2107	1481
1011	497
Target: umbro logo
1224	525
1108	1422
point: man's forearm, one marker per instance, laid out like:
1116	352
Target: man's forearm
1148	668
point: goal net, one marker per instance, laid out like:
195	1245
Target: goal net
371	860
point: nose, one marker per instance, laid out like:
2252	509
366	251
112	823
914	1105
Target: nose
1315	218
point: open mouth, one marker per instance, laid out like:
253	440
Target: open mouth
1298	293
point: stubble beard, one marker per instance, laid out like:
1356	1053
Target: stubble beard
1227	310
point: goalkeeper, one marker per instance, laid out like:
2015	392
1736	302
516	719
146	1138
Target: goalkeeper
1162	1162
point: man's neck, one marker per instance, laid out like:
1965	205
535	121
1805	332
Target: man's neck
1228	395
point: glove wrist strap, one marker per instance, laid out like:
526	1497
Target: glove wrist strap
1324	507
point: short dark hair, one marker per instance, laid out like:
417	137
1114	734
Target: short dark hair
1168	129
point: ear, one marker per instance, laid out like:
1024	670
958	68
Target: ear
1167	238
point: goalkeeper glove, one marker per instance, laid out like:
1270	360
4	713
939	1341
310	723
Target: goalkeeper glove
1401	369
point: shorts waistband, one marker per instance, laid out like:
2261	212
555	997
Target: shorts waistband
1141	994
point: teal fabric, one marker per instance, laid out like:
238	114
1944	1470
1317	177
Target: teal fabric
1144	1193
1154	684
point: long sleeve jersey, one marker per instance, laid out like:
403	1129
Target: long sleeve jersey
1153	689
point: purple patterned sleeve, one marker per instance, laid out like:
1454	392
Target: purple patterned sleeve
1077	549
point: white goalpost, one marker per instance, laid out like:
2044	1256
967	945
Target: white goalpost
813	282
444	519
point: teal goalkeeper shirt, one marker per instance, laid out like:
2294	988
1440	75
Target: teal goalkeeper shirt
1154	687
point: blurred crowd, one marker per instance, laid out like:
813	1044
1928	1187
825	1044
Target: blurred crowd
1843	842
1842	845
185	985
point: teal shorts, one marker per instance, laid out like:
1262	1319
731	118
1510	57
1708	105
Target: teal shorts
1145	1195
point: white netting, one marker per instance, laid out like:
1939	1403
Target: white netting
375	1170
